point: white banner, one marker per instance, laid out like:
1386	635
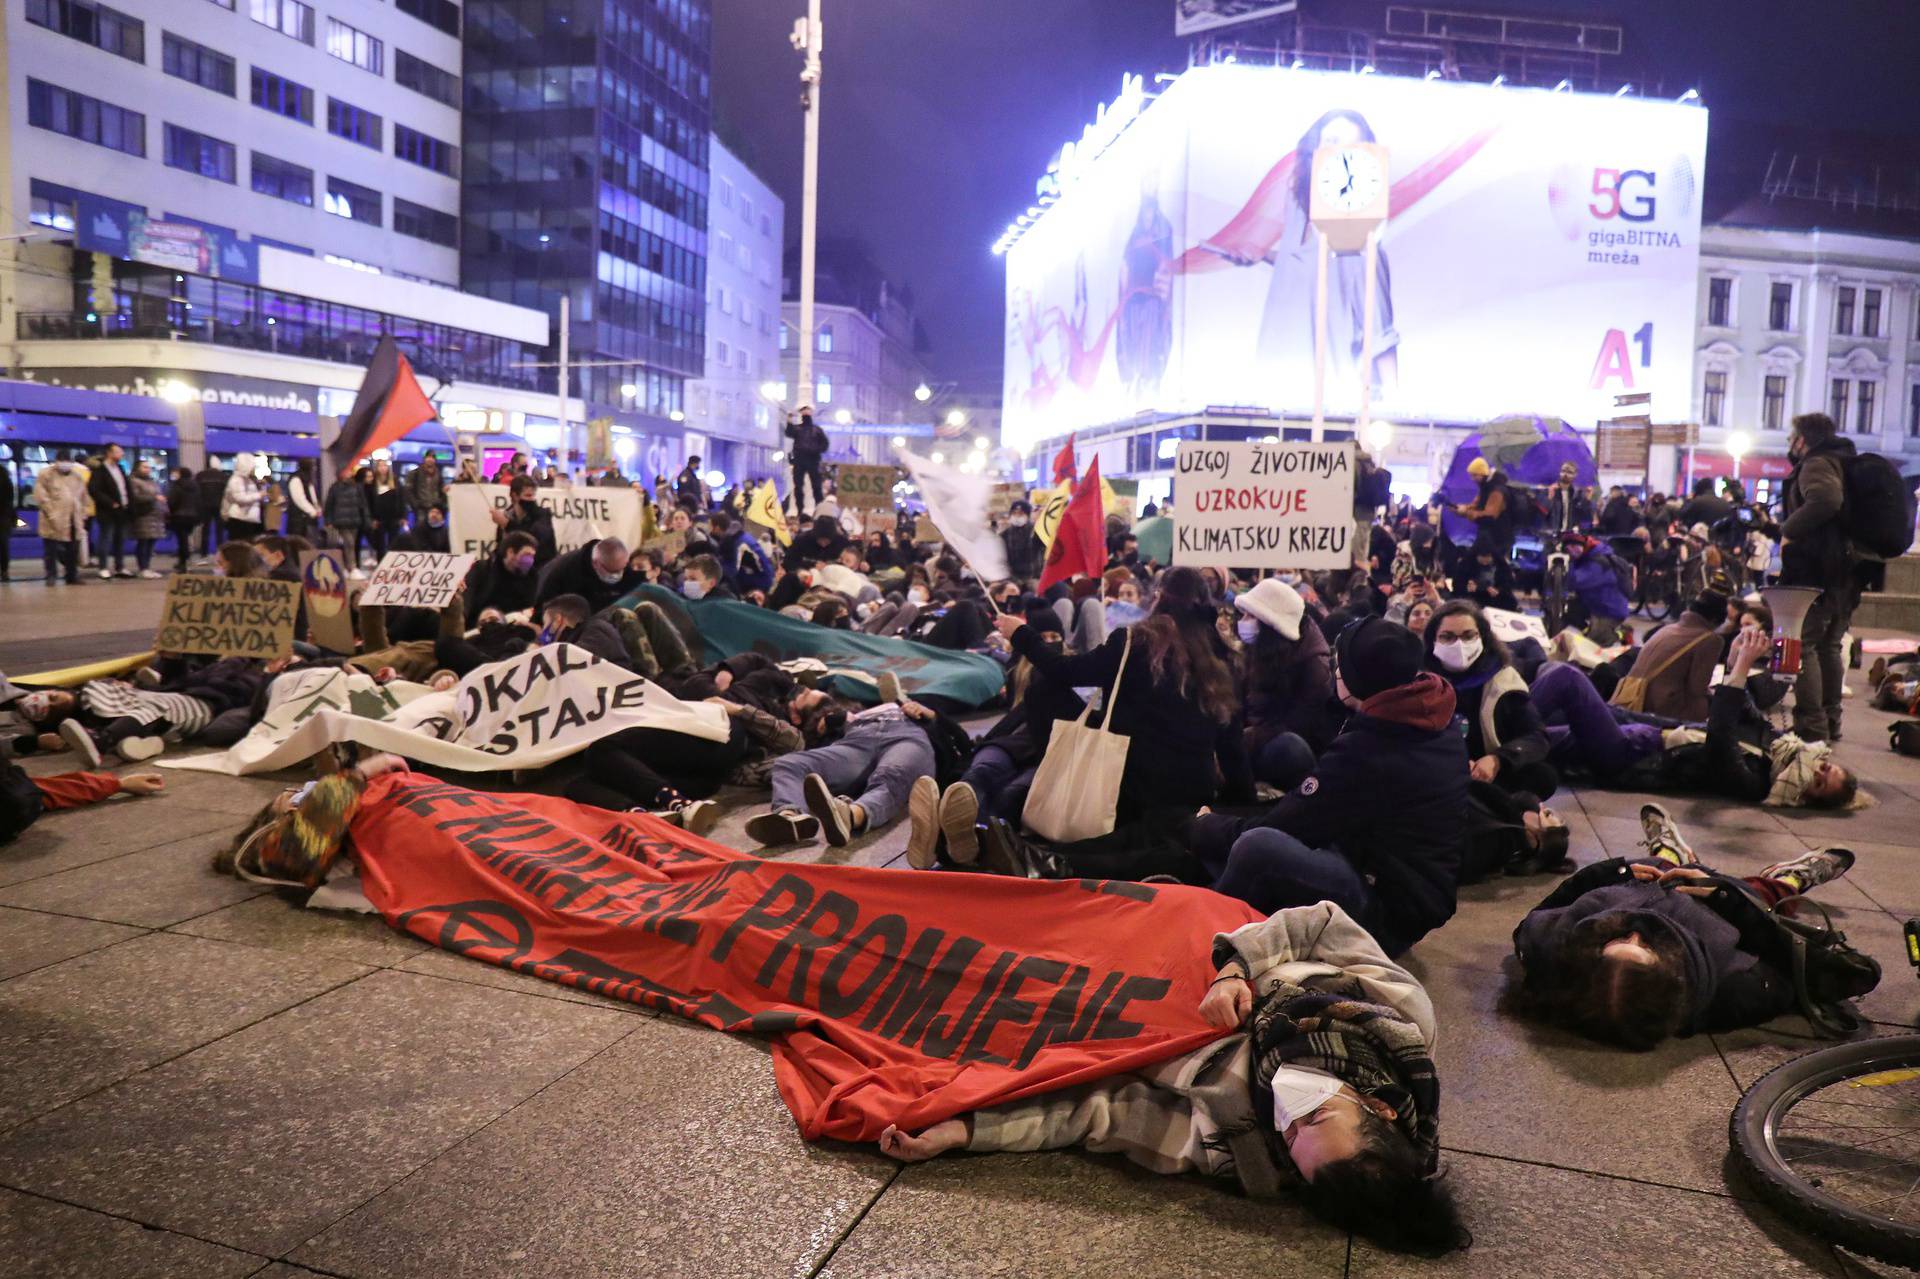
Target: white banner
579	515
416	579
1541	255
1264	505
525	712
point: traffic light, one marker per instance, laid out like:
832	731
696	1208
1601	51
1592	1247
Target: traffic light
100	296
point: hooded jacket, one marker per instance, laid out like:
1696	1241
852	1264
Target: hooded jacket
1391	795
1816	551
574	574
1735	967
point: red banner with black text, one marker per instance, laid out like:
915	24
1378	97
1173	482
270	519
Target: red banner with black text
892	996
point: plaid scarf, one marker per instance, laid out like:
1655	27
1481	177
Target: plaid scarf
1371	1047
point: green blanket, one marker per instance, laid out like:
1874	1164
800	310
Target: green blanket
721	628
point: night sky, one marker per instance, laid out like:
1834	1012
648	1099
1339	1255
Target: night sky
940	114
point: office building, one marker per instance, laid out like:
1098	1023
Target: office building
732	423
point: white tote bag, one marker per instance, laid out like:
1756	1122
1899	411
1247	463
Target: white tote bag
1077	786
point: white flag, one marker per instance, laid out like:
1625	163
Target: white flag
957	505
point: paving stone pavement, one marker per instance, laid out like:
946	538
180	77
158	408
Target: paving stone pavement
204	1079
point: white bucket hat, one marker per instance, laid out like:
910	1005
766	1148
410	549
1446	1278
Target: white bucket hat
1276	604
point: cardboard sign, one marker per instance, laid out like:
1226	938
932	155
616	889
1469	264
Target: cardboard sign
1003	495
672	544
1510	627
323	577
924	530
227	616
579	515
1264	505
868	488
416	579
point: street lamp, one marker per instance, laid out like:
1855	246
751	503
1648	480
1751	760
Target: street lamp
980	443
1739	444
1379	437
956	418
774	391
899	441
629	389
844	417
923	393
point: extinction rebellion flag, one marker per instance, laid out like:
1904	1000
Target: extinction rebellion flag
891	997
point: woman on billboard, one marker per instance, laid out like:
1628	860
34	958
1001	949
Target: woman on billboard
1285	349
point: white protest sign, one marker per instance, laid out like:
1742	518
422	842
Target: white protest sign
524	712
1264	505
579	515
416	579
1510	627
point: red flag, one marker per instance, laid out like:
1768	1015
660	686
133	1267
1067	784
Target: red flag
389	404
1080	543
1063	463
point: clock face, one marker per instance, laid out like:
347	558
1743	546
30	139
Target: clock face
1350	180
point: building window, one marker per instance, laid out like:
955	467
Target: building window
426	224
282	96
783	337
823	340
288	17
350	44
726	299
1838	393
1913	392
1773	402
823	390
281	180
1870	313
57	212
1843	309
196	63
93	24
1713	398
766	224
427	152
355	124
350	200
723	354
198	153
90	120
1863	420
443	14
410	72
1719	301
1780	307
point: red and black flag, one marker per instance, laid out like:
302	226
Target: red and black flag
389	405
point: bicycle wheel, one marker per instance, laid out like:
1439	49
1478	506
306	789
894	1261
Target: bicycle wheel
1832	1140
1553	598
1657	597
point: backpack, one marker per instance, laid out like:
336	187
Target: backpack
1878	512
1827	973
1904	736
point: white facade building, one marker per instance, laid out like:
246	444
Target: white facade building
733	426
1802	321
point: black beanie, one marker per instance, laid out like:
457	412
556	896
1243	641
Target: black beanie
1376	655
1711	605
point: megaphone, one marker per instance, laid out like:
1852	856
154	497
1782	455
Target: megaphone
1789	605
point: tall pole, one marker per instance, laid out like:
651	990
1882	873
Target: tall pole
566	389
806	38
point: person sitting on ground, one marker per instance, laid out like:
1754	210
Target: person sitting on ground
1736	753
599	572
24	799
238	559
1377	826
1286	684
1505	734
1327	1089
1676	664
1633	952
851	786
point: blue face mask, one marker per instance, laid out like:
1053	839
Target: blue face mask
546	635
693	588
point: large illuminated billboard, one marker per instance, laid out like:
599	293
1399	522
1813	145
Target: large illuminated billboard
1541	256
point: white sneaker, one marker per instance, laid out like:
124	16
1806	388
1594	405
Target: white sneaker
151	576
105	576
135	749
80	742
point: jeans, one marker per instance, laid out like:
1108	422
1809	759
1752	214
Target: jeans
56	554
1823	666
1083	623
143	552
1283	762
638	766
654	646
874	764
113	541
1592	736
1000	784
183	541
802	469
1270	870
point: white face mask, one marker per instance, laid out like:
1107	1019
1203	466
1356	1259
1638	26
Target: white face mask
63	467
1298	1092
693	588
1248	629
1018	521
1458	655
916	596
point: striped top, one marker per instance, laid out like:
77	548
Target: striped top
115	699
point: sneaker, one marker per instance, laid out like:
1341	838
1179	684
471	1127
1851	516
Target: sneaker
80	742
1662	837
147	677
135	749
959	818
697	816
834	811
782	826
890	694
123	572
1810	870
150	575
105	576
923	823
1877	674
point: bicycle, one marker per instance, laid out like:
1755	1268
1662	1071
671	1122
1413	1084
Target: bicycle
1554	596
1659	592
